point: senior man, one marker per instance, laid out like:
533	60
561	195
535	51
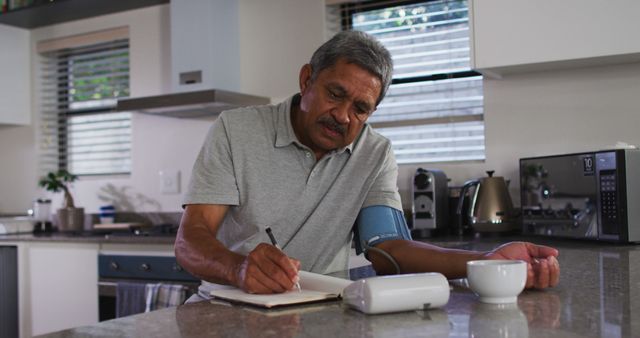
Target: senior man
314	171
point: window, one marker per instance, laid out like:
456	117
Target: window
433	111
80	86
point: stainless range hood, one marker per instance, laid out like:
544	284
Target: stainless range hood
205	67
203	103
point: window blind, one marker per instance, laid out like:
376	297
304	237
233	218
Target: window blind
80	131
433	111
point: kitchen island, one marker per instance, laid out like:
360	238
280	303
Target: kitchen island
598	296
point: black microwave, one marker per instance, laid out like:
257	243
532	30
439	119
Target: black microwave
593	195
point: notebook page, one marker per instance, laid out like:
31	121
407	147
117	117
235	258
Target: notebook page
289	297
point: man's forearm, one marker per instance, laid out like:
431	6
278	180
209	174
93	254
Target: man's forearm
202	255
266	269
413	256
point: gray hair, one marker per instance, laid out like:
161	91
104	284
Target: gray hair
358	48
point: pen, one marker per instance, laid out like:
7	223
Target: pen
275	243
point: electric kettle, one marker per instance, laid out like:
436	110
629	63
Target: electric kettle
491	209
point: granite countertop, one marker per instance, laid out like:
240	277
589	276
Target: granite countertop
89	238
597	297
153	228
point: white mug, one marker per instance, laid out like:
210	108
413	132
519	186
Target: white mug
497	281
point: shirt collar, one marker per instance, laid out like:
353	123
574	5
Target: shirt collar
284	132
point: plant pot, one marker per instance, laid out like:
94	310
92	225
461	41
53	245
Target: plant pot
71	219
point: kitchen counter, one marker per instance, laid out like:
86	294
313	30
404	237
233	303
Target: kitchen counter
598	295
123	238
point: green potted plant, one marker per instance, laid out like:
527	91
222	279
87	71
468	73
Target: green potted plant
70	218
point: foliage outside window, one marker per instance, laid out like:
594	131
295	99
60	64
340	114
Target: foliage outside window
433	111
81	132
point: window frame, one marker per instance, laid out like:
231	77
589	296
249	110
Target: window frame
349	9
57	112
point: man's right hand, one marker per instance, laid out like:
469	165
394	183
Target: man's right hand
267	270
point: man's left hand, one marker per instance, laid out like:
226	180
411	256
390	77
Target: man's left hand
543	269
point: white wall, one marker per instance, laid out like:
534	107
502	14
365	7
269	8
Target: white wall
275	40
545	113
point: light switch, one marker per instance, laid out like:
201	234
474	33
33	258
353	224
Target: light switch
169	181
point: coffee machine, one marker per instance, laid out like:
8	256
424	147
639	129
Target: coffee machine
430	208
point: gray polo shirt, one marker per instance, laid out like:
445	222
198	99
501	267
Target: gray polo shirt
252	161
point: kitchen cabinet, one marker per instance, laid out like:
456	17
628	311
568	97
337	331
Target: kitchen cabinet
64	281
15	82
57	278
63	285
48	12
521	35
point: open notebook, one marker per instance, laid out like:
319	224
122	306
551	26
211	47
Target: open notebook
314	287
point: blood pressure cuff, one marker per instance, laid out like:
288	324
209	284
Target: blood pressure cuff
379	223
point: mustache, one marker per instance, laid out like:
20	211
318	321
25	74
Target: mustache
332	124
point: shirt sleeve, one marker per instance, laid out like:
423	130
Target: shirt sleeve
384	190
213	179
